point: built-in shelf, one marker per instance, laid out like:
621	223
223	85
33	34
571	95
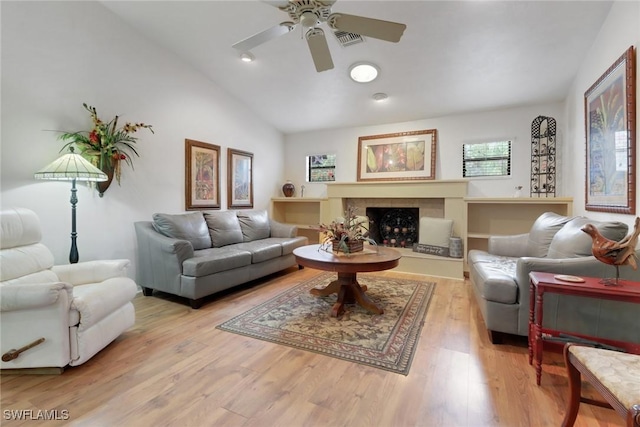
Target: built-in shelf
303	212
506	216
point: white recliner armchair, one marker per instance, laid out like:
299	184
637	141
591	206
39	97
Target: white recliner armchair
77	309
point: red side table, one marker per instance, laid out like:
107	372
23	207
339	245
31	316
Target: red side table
591	287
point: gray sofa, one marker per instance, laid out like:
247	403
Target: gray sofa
555	244
196	254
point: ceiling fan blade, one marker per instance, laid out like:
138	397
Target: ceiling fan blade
277	3
319	49
376	28
264	36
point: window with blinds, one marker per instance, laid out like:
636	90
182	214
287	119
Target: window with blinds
486	159
321	168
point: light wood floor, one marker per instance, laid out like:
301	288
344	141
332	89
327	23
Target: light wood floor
174	368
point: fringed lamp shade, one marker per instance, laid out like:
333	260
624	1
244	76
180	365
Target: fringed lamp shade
69	167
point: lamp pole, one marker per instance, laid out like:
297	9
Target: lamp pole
73	255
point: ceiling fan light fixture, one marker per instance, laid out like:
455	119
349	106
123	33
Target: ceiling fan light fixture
363	72
247	57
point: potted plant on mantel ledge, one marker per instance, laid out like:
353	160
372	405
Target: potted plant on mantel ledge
106	146
346	234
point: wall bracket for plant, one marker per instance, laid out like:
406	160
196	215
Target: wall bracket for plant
543	157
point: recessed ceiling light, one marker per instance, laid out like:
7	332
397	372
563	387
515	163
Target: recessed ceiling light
247	57
363	72
379	97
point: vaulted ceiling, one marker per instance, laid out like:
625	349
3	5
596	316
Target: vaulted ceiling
454	56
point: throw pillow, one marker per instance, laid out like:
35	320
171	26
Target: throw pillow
542	232
435	231
254	225
224	228
188	226
572	242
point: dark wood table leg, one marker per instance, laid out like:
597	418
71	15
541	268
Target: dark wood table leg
349	292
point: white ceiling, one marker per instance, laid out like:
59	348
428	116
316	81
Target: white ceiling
454	56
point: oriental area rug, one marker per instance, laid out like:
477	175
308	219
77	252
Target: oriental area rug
298	319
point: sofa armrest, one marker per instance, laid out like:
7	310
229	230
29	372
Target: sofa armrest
160	258
511	246
279	229
91	271
34	295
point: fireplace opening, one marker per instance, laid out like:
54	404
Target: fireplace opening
394	227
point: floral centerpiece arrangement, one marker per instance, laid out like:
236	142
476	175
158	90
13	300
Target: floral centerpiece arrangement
106	145
347	234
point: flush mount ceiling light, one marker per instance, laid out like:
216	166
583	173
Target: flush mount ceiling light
379	97
363	72
246	57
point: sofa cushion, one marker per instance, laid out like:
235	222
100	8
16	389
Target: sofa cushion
261	250
289	244
572	242
254	224
215	260
495	279
224	228
187	226
542	232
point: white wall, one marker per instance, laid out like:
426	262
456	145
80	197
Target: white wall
620	30
453	132
57	55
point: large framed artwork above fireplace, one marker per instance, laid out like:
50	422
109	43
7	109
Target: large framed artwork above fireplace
437	199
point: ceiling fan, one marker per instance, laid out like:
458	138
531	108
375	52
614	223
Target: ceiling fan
310	14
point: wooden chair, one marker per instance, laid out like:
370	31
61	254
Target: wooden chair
615	375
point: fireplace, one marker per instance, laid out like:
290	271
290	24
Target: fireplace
394	227
435	199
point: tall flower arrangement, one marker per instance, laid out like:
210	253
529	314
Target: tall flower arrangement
106	145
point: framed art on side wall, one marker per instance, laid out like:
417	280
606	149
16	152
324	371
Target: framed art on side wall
239	179
610	114
398	156
202	175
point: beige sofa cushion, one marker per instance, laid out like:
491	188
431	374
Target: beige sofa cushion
572	242
542	232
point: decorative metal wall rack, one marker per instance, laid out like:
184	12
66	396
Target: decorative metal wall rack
543	157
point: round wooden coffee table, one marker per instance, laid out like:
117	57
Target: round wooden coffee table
347	266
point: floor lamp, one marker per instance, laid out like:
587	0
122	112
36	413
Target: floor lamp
71	167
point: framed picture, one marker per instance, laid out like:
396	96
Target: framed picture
398	156
202	175
239	179
609	106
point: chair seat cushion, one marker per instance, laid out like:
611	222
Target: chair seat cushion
618	372
95	301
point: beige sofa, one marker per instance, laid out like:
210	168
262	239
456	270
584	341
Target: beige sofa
555	244
196	254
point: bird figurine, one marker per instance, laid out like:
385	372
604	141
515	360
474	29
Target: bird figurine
614	253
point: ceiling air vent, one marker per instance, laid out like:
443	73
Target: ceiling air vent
347	39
